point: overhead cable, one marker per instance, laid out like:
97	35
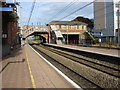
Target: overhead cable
33	5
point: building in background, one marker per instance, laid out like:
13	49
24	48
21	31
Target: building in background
72	31
105	20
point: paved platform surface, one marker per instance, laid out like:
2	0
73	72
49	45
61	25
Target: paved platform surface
25	69
112	52
15	73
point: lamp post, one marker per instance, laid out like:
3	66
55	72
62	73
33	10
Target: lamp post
100	40
67	36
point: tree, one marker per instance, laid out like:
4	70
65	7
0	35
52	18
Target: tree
85	20
9	17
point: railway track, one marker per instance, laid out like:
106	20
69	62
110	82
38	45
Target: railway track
90	83
103	68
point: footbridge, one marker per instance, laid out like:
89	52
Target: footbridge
50	33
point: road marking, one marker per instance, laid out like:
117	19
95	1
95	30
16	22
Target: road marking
31	75
62	74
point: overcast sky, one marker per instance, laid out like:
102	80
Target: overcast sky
44	11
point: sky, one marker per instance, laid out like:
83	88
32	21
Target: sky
45	10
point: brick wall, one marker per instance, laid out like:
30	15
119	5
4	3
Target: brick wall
10	29
72	28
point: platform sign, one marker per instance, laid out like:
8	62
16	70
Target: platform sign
97	33
6	9
4	35
10	1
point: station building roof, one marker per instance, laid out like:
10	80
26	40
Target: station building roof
66	23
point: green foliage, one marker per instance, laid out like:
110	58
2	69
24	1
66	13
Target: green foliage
4	4
36	37
88	36
85	20
9	17
96	41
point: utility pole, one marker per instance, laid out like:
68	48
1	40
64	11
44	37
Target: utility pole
32	26
118	23
21	33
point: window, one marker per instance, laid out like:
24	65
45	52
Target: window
77	26
71	27
36	27
82	27
59	26
65	27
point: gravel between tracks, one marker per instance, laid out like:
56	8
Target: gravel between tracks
98	77
87	61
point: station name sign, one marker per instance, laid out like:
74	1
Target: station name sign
10	1
6	9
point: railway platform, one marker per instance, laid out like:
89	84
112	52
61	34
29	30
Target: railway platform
109	52
23	68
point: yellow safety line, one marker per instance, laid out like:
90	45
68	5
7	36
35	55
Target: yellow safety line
31	75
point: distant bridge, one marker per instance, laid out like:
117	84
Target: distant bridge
43	31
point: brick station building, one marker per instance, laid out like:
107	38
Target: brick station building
74	30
